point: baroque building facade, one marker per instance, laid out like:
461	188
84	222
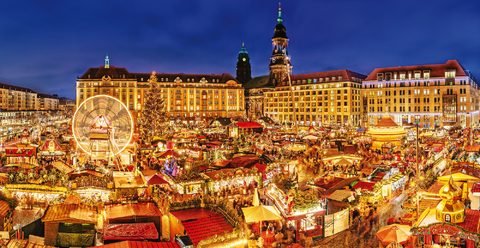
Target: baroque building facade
320	98
430	95
187	96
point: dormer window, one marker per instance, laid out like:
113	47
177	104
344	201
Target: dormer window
402	76
417	75
380	76
123	75
426	74
88	76
141	79
339	78
450	74
388	76
333	78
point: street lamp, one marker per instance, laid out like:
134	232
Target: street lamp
418	174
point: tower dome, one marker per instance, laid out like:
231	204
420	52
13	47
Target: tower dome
280	31
244	69
451	209
450	191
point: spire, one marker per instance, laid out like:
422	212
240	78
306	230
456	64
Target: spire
279	13
243	44
107	62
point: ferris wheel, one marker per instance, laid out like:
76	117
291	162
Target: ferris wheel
102	126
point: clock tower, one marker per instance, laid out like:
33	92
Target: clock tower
280	63
244	69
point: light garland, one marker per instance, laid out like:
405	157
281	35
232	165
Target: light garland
236	243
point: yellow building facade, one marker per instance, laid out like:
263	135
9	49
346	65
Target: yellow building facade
321	98
431	95
187	96
17	98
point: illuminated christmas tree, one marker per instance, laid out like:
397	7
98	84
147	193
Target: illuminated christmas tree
152	111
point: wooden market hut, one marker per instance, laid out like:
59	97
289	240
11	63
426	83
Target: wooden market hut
141	212
51	148
5	216
243	128
335	201
66	213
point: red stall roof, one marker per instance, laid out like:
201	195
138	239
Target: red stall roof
364	185
139	244
130	231
248	125
116	211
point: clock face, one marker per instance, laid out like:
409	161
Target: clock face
244	59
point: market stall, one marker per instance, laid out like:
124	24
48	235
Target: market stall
145	213
232	180
302	210
191	185
21	154
66	213
386	133
240	129
51	148
450	222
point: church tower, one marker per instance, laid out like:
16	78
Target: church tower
244	69
280	63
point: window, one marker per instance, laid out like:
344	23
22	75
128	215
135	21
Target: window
450	74
426	75
417	75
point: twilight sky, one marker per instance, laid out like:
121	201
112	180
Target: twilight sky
46	44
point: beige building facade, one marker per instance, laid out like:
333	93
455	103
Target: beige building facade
320	98
430	95
17	98
187	96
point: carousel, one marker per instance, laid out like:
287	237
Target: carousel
450	223
386	133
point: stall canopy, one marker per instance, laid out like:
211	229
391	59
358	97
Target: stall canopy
260	167
86	173
116	211
139	244
310	137
248	125
261	213
130	231
169	153
61	166
394	233
156	179
51	147
65	212
344	161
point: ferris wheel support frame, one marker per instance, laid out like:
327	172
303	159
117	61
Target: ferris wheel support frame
130	122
